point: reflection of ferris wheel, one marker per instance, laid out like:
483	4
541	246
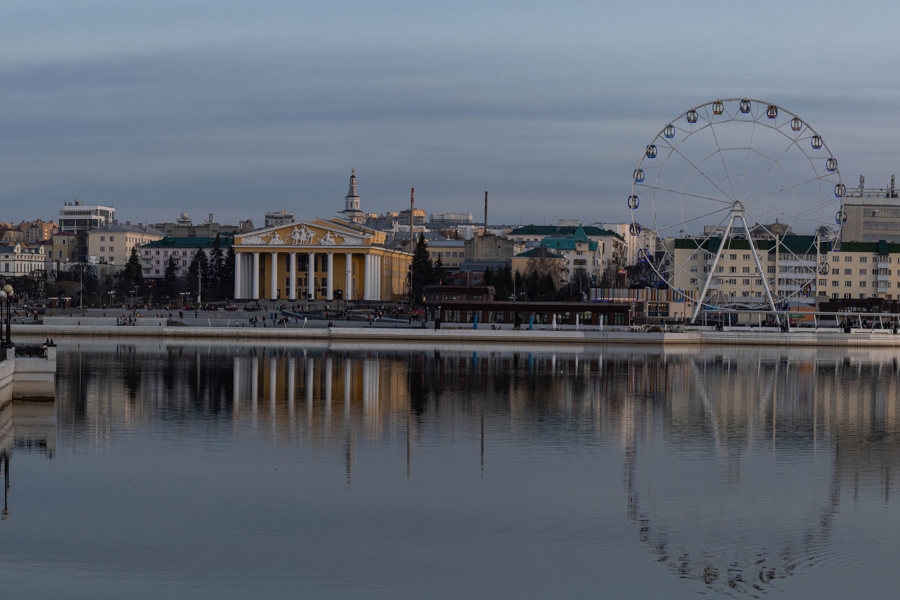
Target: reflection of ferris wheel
728	172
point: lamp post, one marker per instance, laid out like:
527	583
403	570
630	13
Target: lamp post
7	293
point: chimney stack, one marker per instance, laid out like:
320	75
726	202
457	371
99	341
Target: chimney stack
484	233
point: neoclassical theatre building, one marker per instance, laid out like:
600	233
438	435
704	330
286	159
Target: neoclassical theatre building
337	258
318	259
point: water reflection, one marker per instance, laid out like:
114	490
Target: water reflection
735	463
26	426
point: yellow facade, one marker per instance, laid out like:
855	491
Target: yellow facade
318	259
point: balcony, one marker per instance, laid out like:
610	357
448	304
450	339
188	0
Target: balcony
883	265
804	264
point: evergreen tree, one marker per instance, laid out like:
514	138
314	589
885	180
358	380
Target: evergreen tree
195	279
134	273
216	268
226	276
421	271
169	285
487	278
518	284
439	274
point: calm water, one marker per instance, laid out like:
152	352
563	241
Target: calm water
170	470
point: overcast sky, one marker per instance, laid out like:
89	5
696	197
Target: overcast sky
236	108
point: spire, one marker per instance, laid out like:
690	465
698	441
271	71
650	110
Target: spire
351	201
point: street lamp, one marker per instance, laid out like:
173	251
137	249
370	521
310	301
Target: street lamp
7	293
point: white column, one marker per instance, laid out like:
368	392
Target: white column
311	276
254	277
367	274
292	278
273	277
378	274
238	292
348	277
329	285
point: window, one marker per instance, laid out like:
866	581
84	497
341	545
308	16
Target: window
732	269
746	269
102	239
863	259
746	257
746	282
847	284
771	269
822	282
102	249
732	256
862	284
862	272
848	259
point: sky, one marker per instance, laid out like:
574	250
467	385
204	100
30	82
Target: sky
237	108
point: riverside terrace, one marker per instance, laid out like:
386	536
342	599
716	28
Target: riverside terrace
236	328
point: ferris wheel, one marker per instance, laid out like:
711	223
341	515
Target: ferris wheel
731	175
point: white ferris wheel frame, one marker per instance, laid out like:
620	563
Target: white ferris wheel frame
798	134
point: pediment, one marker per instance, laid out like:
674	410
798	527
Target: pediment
301	234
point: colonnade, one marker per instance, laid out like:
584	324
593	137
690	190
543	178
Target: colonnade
248	275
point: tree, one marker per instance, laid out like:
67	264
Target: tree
169	285
503	283
439	274
196	271
488	277
215	267
518	285
226	276
421	271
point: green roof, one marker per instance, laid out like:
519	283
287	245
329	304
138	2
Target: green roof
562	230
797	244
881	247
189	242
540	252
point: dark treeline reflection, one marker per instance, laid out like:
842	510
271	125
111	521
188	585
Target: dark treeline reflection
734	463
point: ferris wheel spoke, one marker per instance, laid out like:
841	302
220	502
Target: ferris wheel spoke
682	193
747	158
674	226
697	168
775	161
718	151
790	187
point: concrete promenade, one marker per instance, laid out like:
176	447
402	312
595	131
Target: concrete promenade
224	327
